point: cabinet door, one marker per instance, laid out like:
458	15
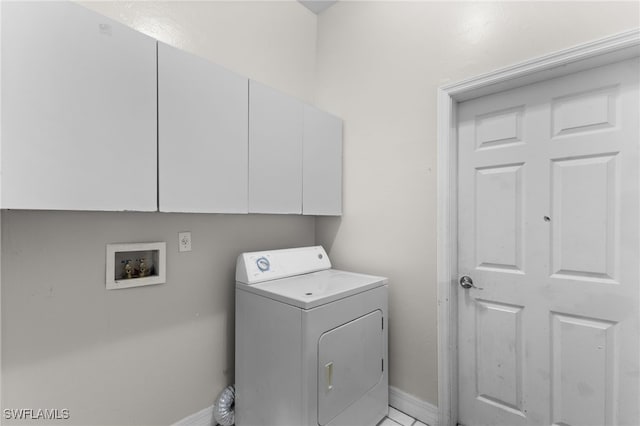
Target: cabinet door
322	163
275	151
203	135
78	110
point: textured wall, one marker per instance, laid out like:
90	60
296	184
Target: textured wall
379	65
269	41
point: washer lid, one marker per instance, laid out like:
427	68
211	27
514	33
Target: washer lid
315	289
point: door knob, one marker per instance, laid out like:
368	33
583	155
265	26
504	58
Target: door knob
467	282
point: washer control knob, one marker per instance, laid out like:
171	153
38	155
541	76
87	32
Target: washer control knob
263	264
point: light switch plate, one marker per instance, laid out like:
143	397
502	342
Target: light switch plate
184	241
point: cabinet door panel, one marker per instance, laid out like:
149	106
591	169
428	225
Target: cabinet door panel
78	110
322	163
275	151
203	135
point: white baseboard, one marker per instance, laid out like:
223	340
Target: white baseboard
203	417
416	408
402	401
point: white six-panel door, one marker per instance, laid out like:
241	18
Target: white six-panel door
548	228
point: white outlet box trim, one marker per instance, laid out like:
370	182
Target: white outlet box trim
112	283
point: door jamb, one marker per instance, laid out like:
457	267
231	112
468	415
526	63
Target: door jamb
589	55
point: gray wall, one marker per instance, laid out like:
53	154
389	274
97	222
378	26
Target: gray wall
149	355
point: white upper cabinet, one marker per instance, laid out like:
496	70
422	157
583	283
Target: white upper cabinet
322	163
78	110
97	116
202	135
275	151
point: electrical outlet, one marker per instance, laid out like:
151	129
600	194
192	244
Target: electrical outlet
184	241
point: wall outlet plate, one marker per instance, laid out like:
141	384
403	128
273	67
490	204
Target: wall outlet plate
184	241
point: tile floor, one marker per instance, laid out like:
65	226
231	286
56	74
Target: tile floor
398	418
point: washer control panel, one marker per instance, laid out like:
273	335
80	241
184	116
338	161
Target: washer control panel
262	266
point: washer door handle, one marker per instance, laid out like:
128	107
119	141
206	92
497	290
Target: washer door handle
328	375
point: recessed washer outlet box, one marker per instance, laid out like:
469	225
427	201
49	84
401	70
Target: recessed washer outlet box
135	265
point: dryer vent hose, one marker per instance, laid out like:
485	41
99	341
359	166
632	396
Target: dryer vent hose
223	407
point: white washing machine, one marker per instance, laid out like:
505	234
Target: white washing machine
311	342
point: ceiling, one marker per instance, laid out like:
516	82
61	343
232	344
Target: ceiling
317	6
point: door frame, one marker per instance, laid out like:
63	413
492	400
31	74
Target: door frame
607	50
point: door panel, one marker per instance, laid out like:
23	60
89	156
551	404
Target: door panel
548	230
583	243
499	355
500	128
583	112
583	370
499	217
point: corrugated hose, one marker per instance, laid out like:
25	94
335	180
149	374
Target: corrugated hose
223	407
